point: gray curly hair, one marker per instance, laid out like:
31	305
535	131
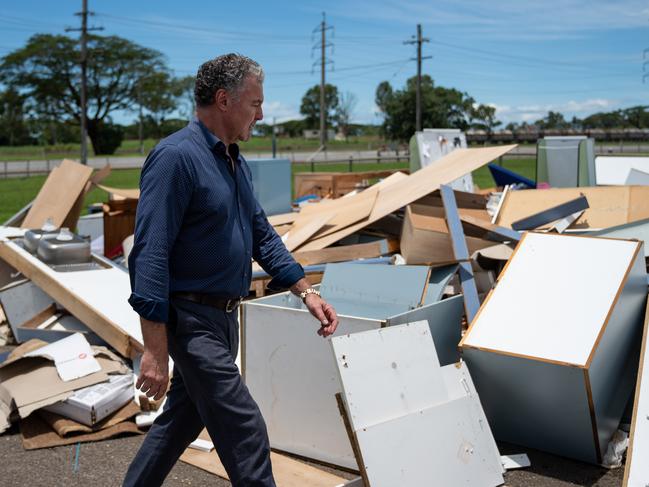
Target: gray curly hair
224	72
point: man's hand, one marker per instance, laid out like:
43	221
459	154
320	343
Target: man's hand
154	368
324	312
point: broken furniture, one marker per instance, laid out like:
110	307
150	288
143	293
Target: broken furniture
271	184
636	472
96	293
615	170
431	145
413	422
290	371
565	161
607	206
335	184
554	348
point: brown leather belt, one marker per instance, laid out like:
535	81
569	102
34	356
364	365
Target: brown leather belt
225	304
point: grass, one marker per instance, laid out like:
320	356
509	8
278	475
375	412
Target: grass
15	193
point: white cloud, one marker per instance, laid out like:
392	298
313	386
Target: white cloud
280	111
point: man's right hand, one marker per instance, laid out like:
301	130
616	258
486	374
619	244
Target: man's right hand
154	367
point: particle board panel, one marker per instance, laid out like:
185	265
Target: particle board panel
298	234
444	320
399	287
440	445
638	230
395	195
292	376
58	196
399	361
636	471
347	252
534	404
97	297
614	171
556	272
608	206
282	218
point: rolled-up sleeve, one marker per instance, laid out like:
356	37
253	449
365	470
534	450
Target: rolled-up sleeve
271	254
166	186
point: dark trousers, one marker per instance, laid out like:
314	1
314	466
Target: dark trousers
206	390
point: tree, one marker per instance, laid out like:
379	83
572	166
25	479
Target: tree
344	111
185	89
483	117
13	126
553	121
310	106
158	93
47	71
441	107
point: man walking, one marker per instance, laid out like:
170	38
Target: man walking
198	228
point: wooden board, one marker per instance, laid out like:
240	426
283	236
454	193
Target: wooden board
121	193
58	196
98	298
636	471
298	234
609	206
282	218
347	252
393	196
287	471
556	274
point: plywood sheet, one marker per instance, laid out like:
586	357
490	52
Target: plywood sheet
555	274
287	471
347	252
58	196
608	206
614	171
300	233
121	193
395	195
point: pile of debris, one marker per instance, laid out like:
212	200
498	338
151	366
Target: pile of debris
514	313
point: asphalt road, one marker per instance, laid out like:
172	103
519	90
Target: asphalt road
104	464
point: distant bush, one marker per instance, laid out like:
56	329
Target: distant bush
109	138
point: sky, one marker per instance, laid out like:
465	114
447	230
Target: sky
525	58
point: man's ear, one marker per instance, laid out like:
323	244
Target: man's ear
222	100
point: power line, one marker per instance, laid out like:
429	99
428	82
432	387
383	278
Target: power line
84	78
419	40
323	45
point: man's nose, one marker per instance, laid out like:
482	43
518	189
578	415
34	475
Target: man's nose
260	114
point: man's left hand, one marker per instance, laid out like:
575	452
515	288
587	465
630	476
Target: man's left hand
324	312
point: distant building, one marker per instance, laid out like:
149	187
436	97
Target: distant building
315	134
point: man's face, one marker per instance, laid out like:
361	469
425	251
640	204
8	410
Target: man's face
246	108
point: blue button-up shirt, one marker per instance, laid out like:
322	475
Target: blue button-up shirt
198	225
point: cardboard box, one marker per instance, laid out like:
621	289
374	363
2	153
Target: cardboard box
92	404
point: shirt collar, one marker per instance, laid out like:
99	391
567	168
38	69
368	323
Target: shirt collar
215	144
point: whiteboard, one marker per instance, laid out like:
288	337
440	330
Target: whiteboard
553	298
614	171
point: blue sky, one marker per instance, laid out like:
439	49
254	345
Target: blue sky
525	58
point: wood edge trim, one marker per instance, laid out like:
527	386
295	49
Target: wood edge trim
623	283
593	418
353	439
39	317
491	292
526	357
636	399
425	290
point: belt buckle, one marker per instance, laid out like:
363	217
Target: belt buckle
231	305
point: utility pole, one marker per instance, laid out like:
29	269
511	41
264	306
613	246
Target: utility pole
83	97
419	40
323	65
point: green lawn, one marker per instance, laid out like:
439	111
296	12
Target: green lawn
17	192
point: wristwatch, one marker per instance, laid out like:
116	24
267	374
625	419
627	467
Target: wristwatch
308	291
